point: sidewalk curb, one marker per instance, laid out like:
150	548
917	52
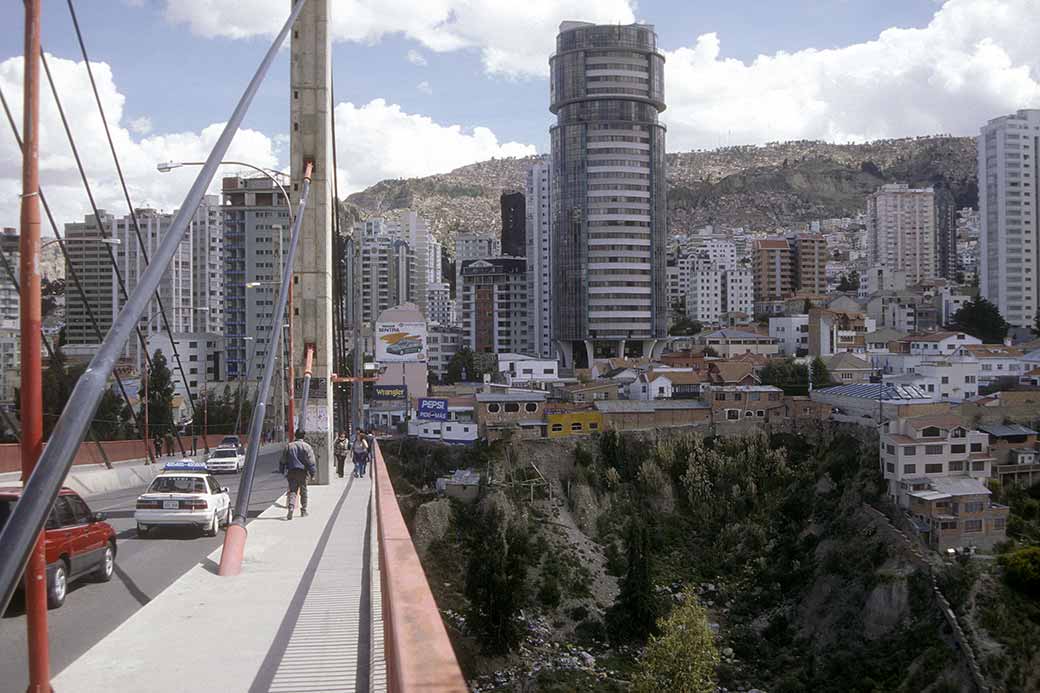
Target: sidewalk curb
95	479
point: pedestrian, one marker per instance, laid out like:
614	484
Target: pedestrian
370	438
360	450
157	442
169	445
341	450
298	464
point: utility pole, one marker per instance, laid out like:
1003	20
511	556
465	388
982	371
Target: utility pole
32	363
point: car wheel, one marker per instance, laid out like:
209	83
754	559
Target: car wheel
214	526
58	586
142	531
108	565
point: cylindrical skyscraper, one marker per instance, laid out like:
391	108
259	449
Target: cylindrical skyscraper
609	209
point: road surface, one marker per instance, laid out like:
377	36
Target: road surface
144	568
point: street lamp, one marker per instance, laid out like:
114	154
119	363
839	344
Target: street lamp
269	172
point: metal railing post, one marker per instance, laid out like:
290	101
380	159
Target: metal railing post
26	522
235	537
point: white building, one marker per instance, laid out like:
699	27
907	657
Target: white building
521	369
443	341
207	230
472	246
940	343
395	254
997	362
202	357
1009	191
738	291
704	292
901	231
539	258
791	333
439	306
722	253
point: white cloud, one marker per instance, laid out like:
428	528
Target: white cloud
138	155
417	58
424	87
378	140
514	38
975	60
140	126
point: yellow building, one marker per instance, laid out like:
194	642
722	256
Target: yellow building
574	423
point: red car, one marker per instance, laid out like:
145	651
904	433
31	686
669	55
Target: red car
78	542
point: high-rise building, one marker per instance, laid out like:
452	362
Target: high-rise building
395	257
772	264
722	253
207	231
89	257
738	291
9	299
514	222
1009	191
901	231
472	246
810	263
439	306
539	260
494	305
608	191
256	238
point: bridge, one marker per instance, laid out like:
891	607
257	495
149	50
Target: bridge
334	601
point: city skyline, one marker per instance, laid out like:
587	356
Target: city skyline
756	83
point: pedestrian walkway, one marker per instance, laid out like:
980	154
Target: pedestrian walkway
297	619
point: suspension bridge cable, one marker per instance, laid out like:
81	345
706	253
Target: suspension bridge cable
338	331
50	355
97	216
69	264
130	206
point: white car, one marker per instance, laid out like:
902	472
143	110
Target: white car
184	493
226	459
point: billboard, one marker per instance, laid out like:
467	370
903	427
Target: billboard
397	342
390	392
435	409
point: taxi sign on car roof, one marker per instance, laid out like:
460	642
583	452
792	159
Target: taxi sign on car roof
185	466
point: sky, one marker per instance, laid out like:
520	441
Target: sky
425	87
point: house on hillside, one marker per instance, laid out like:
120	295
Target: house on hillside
956	513
848	368
727	343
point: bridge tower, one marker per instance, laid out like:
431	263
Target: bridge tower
311	140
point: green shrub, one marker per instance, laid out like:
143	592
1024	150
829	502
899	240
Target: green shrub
1022	569
683	658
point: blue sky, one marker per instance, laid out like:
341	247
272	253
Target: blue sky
426	87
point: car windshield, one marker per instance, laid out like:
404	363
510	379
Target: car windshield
6	508
178	484
225	453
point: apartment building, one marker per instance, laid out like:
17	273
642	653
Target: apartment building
440	308
832	332
773	268
956	513
1009	191
901	231
791	334
539	259
919	449
494	305
996	362
395	259
809	258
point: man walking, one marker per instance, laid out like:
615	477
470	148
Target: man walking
298	464
341	450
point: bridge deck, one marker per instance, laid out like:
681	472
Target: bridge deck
298	618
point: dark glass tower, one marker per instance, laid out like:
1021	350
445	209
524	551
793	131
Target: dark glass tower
608	191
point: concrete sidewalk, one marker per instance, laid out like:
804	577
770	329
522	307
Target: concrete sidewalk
298	618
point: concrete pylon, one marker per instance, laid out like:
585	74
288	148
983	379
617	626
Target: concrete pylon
311	140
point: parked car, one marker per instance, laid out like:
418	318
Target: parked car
78	543
184	494
232	441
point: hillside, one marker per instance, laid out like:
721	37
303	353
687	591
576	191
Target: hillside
760	187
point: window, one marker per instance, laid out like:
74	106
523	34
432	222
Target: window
213	488
909	450
976	447
557	428
737	396
890	467
909	469
732	414
530	407
931	432
978	466
957	466
80	511
936	468
512	407
973	507
999	523
493	408
760	413
945	380
593	425
576	426
890	449
720	396
61	515
958	433
957	449
973	525
933	449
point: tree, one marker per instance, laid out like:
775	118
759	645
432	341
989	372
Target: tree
1022	569
821	377
633	615
108	420
790	376
981	319
683	658
464	367
495	577
849	282
160	396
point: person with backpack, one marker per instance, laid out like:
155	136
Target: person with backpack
360	450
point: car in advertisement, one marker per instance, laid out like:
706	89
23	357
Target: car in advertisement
400	341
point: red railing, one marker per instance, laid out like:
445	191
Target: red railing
419	655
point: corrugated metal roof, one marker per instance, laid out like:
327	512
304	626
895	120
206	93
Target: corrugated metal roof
889	392
1006	430
621	406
